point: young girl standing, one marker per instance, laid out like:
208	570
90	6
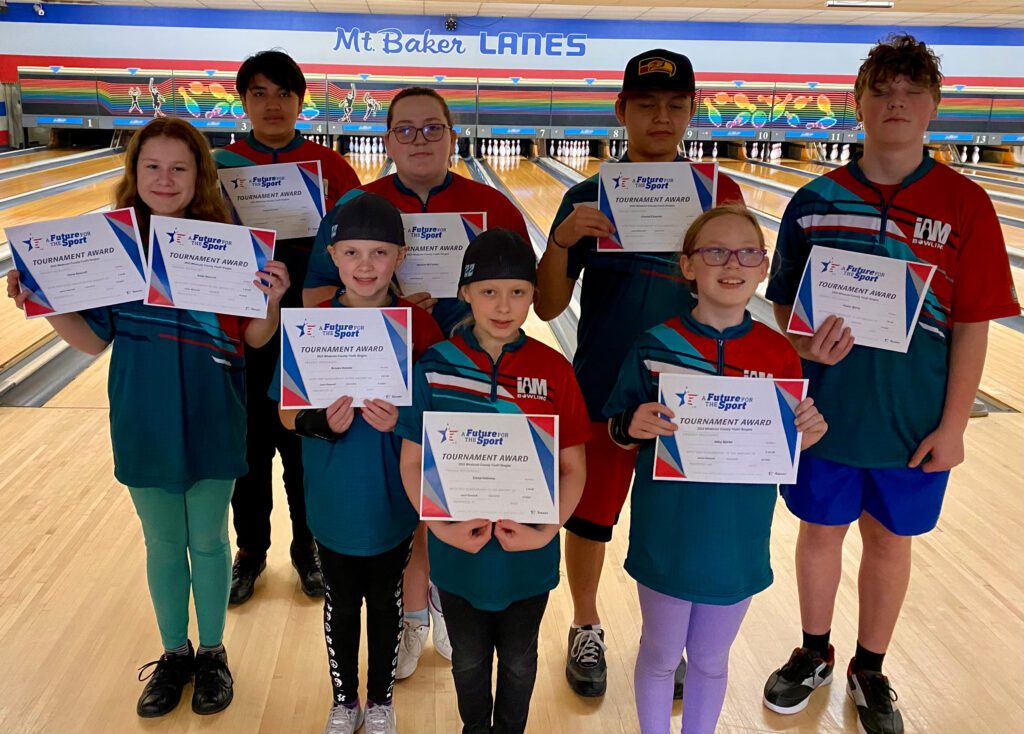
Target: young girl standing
177	418
699	551
355	505
494	578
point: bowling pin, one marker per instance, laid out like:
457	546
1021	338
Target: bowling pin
845	155
551	148
976	155
714	151
833	152
232	138
755	151
777	151
963	154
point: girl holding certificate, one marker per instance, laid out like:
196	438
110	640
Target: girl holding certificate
177	418
494	577
355	505
699	551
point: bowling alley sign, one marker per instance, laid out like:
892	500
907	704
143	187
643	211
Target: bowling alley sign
391	41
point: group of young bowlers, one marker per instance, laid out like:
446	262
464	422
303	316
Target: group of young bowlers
895	422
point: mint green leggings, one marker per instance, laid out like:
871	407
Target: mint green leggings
184	527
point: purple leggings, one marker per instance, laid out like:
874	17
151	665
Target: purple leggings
706	632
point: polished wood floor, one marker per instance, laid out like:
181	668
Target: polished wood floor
76	620
75	617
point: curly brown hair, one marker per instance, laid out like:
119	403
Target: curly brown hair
207	203
900	55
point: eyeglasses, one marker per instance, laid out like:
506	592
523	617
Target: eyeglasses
431	133
748	257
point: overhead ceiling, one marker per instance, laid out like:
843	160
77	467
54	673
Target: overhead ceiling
991	13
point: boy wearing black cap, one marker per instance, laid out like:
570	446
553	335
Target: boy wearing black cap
355	505
272	88
623	295
494	578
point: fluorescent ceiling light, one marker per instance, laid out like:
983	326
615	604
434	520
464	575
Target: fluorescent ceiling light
859	4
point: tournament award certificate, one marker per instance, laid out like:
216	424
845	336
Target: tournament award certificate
76	263
328	353
731	429
434	247
879	298
652	204
207	266
285	197
493	466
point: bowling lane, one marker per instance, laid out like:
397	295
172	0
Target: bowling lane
536	190
366	166
19	334
29	182
585	165
65	204
43	154
809	166
768	174
1010	174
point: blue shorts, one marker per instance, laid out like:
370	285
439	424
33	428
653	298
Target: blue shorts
906	501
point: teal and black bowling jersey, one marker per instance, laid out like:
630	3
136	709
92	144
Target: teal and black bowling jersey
699	541
458	376
881	404
177	394
355	501
622	295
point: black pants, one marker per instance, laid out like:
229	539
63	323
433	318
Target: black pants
253	499
349	580
475	635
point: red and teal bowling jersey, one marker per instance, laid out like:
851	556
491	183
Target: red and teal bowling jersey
880	404
529	378
706	543
456	194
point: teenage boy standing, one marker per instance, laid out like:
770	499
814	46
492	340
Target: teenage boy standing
272	87
623	295
896	421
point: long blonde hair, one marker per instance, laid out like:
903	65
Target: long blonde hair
207	203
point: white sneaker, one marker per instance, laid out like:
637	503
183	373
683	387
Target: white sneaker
381	720
442	644
410	647
344	720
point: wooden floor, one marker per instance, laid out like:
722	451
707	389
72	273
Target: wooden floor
75	617
76	621
36	156
28	182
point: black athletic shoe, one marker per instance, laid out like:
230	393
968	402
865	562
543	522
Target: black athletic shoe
214	687
166	681
310	578
789	687
244	572
585	666
680	676
875	700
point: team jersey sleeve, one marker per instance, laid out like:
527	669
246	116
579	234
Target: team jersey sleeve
321	270
410	417
573	420
101	321
728	191
983	284
792	249
633	386
426	333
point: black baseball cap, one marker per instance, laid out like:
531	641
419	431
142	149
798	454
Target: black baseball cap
659	70
498	254
368	217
